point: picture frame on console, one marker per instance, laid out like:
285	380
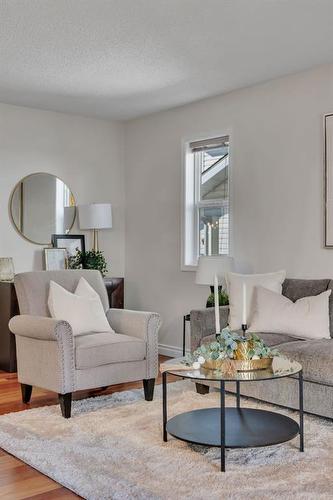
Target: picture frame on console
71	242
55	259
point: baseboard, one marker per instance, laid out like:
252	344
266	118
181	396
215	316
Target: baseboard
170	350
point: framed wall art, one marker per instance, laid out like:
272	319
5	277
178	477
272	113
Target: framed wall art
328	195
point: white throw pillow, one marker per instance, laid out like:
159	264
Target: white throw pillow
272	281
84	289
83	309
308	317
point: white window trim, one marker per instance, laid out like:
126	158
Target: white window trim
189	222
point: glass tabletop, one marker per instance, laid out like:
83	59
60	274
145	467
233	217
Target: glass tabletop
281	367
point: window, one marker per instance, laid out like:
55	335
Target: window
206	199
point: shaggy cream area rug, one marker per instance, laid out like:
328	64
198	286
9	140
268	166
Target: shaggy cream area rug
112	448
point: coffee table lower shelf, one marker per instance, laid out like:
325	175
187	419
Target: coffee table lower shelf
244	427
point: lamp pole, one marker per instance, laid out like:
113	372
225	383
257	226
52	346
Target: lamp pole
95	240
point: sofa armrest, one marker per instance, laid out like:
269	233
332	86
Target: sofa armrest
143	325
50	343
203	323
40	327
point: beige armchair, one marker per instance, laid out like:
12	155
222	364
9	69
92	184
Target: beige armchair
49	356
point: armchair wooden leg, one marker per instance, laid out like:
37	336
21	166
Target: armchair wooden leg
65	401
148	387
202	389
26	392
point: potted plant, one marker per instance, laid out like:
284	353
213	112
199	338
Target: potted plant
223	298
91	259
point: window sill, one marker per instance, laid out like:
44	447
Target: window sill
185	267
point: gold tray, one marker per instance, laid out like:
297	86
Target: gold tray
239	365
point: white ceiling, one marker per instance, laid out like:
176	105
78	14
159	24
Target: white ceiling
125	58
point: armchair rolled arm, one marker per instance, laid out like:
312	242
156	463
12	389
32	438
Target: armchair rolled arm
40	327
139	324
143	325
203	323
56	338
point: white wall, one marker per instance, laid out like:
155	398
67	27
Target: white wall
87	154
277	190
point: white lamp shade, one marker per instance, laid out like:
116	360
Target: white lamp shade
95	216
208	267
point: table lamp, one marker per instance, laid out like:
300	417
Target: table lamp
211	271
95	216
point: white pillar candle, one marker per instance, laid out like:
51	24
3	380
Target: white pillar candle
216	302
244	305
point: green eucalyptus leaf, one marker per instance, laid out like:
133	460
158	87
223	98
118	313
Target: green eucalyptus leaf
214	346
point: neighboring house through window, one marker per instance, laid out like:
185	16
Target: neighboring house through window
206	200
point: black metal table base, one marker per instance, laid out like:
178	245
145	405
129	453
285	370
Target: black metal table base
244	427
233	427
187	317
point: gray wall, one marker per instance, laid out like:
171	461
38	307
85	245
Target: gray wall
277	190
87	154
277	185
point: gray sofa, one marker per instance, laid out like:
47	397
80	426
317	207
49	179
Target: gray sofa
316	356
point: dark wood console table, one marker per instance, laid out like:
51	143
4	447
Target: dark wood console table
115	289
9	308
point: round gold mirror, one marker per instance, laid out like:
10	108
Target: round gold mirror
41	205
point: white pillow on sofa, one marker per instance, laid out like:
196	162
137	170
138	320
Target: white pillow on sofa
83	309
272	281
84	289
308	317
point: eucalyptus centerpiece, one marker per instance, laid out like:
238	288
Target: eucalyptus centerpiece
231	350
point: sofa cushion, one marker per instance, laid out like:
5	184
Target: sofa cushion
315	356
295	289
270	339
83	310
97	349
241	287
308	317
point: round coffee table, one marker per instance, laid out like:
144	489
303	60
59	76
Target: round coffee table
234	427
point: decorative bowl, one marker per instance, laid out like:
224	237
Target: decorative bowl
248	365
239	365
216	364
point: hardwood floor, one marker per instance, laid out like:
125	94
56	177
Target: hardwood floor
18	480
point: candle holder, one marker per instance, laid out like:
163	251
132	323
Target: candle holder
244	328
